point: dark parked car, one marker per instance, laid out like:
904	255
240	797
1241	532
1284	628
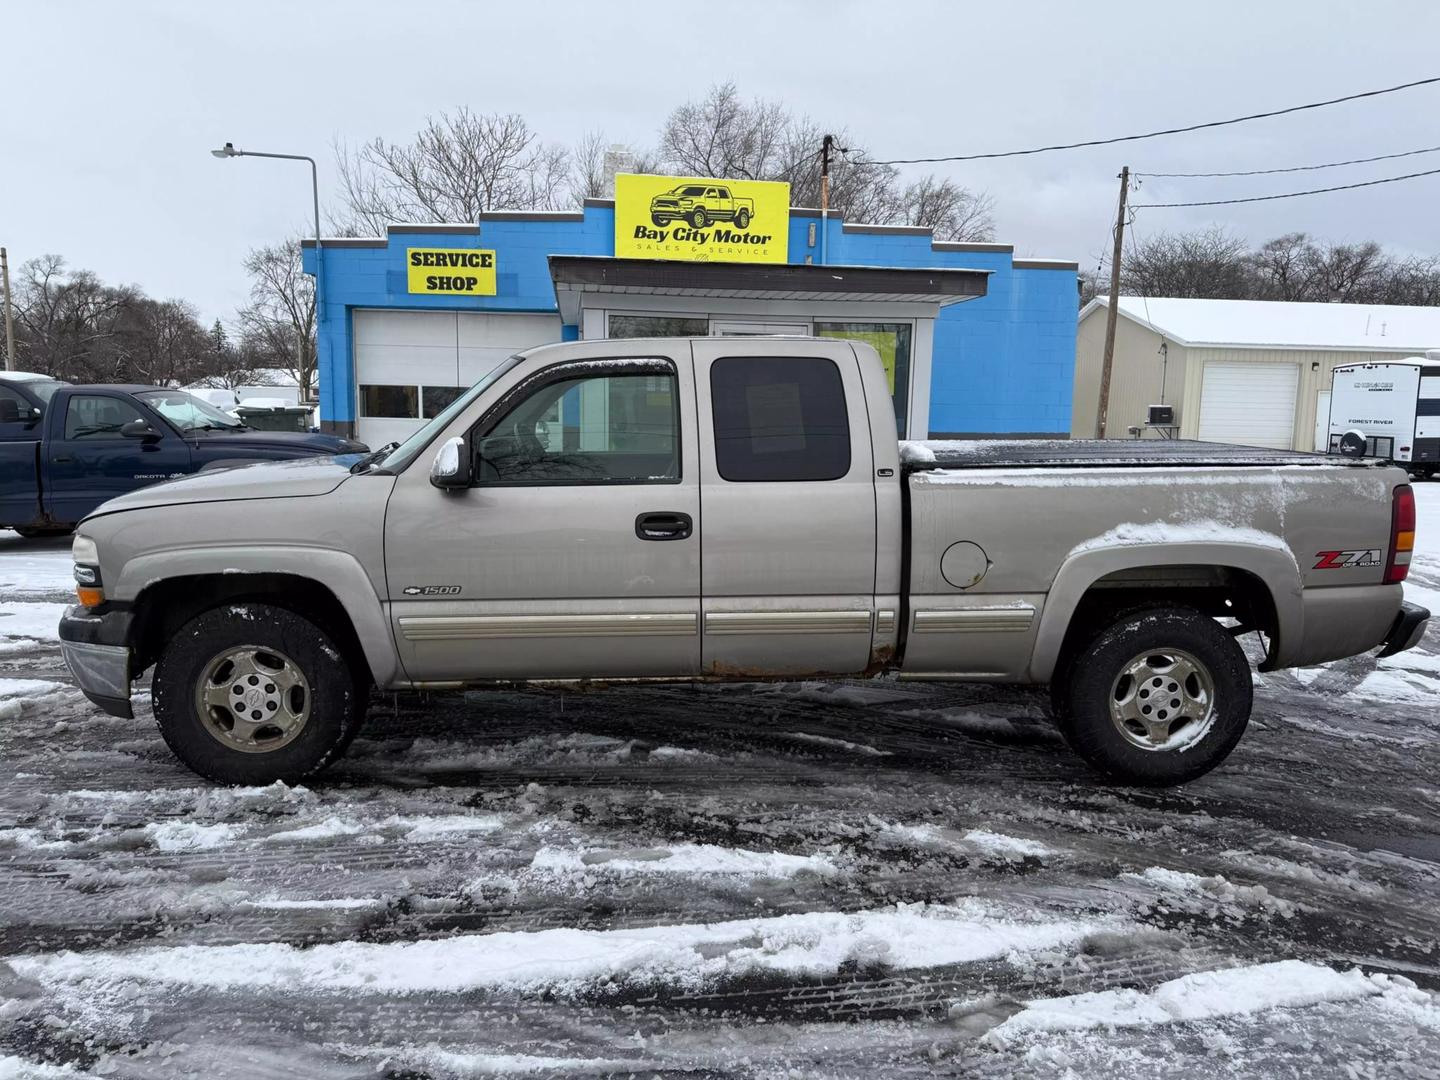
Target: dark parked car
66	449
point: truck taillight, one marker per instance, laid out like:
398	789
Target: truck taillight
1402	534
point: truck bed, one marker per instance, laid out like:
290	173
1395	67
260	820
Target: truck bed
919	456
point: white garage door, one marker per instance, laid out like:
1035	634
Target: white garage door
411	364
1250	404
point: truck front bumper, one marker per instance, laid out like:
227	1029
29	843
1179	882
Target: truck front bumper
1407	630
97	652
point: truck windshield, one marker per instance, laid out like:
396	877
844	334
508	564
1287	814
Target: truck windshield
403	454
189	413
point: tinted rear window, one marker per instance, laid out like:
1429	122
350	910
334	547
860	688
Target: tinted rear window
779	418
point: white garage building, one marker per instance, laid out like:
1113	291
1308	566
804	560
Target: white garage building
1241	371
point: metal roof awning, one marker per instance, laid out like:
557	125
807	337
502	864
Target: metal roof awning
575	275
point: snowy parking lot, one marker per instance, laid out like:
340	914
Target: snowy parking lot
839	880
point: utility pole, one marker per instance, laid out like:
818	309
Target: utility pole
826	146
9	318
1102	413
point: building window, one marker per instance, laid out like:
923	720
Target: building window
390	402
892	342
590	429
779	418
633	326
433	399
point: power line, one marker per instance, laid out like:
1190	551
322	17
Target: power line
1293	168
1289	194
1156	134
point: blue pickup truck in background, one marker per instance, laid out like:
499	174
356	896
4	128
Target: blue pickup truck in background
66	449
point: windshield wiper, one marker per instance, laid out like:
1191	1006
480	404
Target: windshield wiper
375	457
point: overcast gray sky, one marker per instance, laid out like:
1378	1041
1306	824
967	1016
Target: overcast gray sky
111	107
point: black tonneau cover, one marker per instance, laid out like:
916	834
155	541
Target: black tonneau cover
1095	453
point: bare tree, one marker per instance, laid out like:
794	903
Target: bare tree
1209	263
165	344
457	166
1212	263
588	179
278	325
723	135
72	325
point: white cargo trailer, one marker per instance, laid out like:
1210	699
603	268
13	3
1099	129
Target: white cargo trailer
1389	410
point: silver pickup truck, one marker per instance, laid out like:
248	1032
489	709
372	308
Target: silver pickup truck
738	509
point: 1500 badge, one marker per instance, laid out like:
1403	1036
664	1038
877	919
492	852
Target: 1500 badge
1345	560
432	590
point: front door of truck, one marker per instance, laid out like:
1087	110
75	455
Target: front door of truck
576	552
788	581
89	457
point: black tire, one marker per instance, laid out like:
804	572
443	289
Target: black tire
1088	681
658	221
336	695
742	219
41	532
698	220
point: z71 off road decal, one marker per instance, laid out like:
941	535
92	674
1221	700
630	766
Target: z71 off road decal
1345	560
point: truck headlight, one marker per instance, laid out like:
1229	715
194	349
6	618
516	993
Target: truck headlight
88	588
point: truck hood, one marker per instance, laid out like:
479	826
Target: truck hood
297	478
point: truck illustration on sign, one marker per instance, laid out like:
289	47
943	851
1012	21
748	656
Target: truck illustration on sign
701	204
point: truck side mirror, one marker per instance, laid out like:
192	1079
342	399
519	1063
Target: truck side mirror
139	429
451	468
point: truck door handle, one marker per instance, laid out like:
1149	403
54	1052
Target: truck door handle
664	525
63	459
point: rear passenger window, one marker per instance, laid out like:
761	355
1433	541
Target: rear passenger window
779	418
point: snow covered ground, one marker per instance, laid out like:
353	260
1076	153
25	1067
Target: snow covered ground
856	880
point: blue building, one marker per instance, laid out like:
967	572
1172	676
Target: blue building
977	342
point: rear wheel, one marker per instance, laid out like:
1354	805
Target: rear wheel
248	693
742	219
1159	697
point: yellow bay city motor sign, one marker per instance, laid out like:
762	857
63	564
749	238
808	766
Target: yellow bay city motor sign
697	219
450	271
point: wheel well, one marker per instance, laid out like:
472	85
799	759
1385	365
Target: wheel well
1218	591
163	608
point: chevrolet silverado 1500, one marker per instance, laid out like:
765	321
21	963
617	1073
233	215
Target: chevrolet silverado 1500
741	509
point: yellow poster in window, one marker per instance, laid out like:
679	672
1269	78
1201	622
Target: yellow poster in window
699	219
884	342
450	271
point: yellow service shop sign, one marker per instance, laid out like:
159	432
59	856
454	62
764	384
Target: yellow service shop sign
450	271
701	220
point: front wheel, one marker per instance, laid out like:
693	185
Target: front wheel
659	220
698	220
1159	697
248	693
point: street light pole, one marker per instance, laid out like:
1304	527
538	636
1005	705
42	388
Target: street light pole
229	151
